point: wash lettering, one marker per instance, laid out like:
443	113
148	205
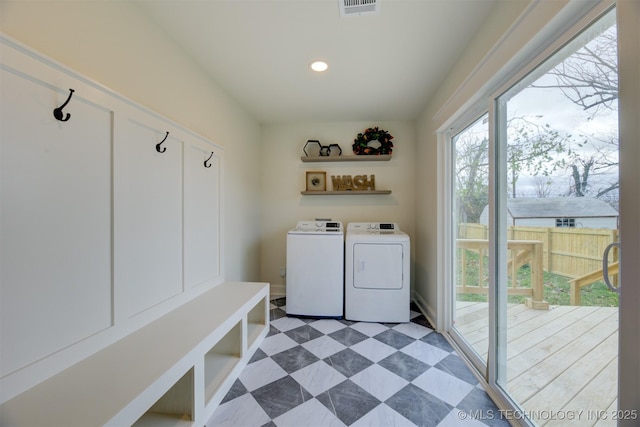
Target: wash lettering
356	183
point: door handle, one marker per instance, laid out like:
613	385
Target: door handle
605	267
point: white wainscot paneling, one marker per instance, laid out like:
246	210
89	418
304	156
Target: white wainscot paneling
201	204
55	210
101	232
147	215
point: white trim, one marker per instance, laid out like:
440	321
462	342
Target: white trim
486	62
497	363
278	290
628	13
425	309
505	58
444	316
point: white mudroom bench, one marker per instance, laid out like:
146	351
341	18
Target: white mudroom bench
173	371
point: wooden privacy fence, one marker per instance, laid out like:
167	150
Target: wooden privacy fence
521	252
569	252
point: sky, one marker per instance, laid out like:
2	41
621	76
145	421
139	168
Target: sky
543	106
550	106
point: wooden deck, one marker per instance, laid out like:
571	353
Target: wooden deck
562	359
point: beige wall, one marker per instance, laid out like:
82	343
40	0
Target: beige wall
114	44
283	177
457	91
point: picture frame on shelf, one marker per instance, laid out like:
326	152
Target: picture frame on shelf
316	181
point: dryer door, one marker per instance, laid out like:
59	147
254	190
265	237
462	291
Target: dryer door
377	266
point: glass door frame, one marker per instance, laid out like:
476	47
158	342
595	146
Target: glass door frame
628	20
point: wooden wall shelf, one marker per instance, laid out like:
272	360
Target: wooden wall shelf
363	158
343	193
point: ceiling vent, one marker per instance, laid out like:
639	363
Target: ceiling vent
358	7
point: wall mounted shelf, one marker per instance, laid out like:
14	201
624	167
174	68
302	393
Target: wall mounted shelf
364	158
343	193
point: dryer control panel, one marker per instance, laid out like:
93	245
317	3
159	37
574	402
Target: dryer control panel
373	226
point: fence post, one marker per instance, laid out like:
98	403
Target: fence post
548	241
463	272
537	279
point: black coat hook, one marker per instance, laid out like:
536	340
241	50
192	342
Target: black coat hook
57	113
158	149
205	162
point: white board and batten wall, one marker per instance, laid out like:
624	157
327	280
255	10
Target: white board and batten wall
102	232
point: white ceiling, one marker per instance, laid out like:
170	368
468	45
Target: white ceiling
381	67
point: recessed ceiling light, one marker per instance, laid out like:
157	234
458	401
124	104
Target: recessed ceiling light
319	66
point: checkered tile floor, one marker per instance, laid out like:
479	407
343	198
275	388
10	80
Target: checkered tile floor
326	372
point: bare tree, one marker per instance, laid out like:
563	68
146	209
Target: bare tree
472	171
589	77
601	163
531	148
542	186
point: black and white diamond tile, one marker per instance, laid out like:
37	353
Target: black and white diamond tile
327	372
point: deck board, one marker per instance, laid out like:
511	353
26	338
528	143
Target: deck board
560	359
528	339
610	421
554	343
590	397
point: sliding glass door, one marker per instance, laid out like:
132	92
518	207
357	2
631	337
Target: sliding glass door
470	198
534	203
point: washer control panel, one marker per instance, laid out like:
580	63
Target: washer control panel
319	226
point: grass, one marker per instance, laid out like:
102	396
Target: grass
556	288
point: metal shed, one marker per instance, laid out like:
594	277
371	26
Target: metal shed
581	212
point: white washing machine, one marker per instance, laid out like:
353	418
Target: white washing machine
315	269
377	269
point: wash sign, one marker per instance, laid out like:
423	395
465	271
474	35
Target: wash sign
356	183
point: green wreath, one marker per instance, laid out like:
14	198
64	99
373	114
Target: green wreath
373	142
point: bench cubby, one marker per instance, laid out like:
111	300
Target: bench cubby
221	359
175	407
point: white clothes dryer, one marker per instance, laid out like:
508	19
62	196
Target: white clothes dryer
315	269
377	273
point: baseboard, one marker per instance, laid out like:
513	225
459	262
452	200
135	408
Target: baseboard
426	309
277	290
